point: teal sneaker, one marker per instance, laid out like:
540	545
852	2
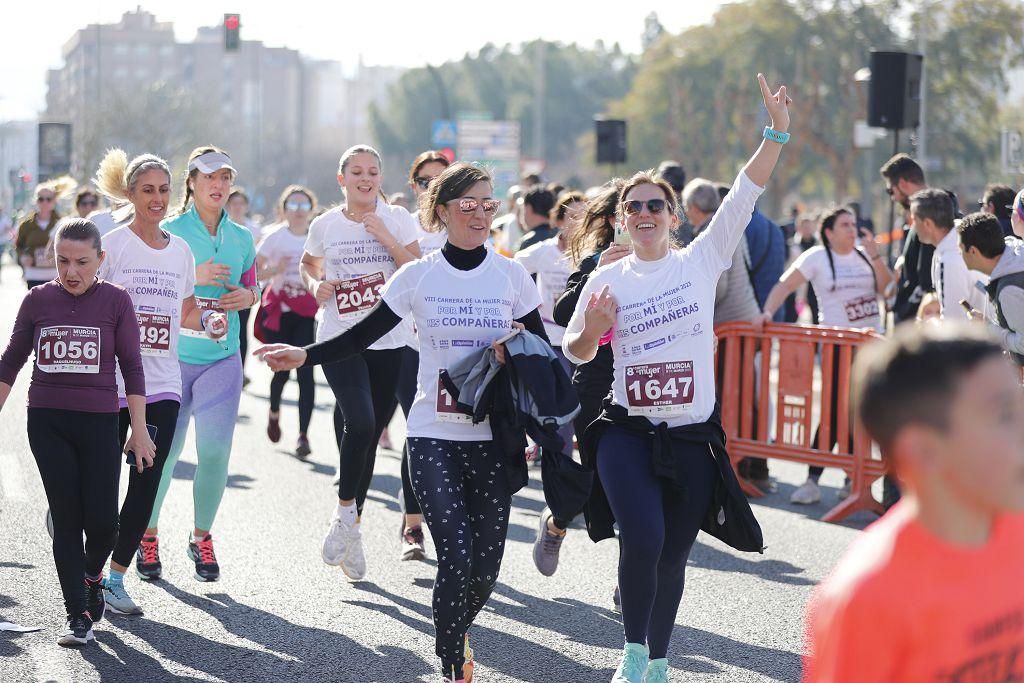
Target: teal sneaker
657	671
633	664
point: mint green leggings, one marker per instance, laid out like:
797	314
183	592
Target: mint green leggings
210	394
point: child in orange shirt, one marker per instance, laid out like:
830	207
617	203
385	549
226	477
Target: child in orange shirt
933	591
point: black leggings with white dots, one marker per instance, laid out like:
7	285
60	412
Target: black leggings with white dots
464	493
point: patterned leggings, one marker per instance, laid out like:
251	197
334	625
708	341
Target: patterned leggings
464	493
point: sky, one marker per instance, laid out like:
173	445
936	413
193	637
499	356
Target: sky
400	33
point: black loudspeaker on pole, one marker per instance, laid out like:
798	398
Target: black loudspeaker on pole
611	141
894	93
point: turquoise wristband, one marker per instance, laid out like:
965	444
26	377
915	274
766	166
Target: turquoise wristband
775	136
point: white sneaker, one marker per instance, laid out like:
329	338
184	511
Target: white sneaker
807	494
354	561
118	600
335	542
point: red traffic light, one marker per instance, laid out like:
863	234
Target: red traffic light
231	22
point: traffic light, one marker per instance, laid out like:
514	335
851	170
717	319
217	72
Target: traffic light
232	24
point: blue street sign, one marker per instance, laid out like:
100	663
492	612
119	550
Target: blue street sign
443	133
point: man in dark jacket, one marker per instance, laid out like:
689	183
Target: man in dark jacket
903	177
537	204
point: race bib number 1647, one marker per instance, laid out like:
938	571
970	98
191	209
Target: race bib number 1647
659	388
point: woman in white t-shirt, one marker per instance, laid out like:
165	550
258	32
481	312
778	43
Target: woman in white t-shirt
659	304
351	252
462	298
287	312
158	271
848	281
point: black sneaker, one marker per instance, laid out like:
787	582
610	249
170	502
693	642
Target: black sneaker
147	559
95	605
302	449
78	632
201	552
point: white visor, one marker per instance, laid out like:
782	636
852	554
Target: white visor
211	162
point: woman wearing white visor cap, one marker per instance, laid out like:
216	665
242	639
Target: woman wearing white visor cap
211	371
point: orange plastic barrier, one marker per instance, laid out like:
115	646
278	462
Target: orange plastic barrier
745	394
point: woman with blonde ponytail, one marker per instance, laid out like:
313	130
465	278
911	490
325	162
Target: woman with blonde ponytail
158	271
34	243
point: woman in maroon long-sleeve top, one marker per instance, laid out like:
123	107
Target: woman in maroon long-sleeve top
78	327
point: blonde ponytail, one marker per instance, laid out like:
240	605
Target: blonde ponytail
61	186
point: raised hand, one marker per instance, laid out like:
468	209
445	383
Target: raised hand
600	314
375	226
777	104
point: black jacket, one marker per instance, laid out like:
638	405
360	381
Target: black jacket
529	395
729	517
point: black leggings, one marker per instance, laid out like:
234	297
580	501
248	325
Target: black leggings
79	462
360	415
405	394
815	471
657	527
464	493
297	331
138	502
243	333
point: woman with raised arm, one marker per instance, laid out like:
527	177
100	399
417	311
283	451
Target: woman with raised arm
655	457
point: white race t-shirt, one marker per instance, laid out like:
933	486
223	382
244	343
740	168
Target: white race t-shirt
552	267
353	255
429	241
456	313
282	246
847	300
158	281
664	323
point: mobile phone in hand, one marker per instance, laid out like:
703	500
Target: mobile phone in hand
621	234
967	306
130	455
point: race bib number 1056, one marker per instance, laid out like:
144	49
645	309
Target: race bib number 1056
69	348
659	388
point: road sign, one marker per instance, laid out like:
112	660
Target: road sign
1012	152
495	145
444	133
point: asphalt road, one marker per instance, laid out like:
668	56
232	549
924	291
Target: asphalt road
279	613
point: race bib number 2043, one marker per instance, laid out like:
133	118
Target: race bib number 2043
659	388
358	294
69	348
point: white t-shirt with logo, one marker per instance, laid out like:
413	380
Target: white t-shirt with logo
847	300
284	246
353	255
457	313
552	268
664	323
158	281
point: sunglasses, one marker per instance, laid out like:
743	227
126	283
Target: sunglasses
88	202
635	206
45	199
422	182
297	206
468	205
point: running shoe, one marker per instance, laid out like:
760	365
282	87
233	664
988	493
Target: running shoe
546	547
78	632
302	449
201	552
633	664
385	440
147	559
807	494
617	601
49	523
412	543
94	603
118	601
354	562
657	671
469	664
273	428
